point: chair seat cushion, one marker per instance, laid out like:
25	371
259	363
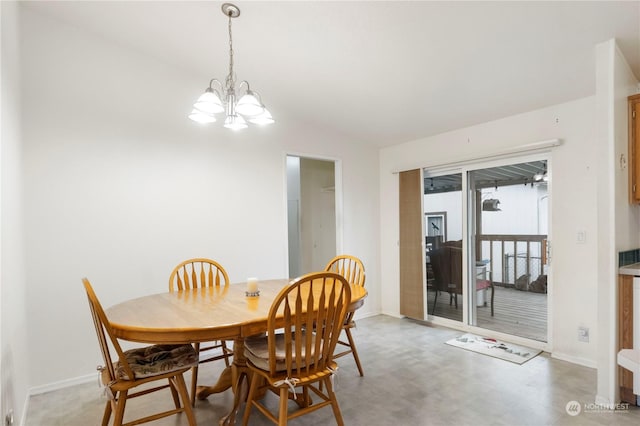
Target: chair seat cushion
482	284
256	349
158	359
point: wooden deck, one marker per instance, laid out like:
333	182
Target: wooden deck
519	313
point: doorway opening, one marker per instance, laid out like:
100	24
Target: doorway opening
311	213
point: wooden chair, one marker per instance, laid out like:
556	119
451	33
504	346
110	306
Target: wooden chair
447	270
137	367
201	273
352	269
291	355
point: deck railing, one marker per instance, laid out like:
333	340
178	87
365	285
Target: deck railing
512	258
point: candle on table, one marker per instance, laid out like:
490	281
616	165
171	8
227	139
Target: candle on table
252	285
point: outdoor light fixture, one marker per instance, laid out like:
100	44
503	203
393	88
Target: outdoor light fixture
223	98
491	205
541	177
538	177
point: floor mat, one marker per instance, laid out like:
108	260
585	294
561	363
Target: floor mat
495	348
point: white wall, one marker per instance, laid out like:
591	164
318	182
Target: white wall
14	362
573	207
120	186
619	222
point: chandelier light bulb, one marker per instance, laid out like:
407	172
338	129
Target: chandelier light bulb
201	117
209	102
262	119
235	122
246	104
249	104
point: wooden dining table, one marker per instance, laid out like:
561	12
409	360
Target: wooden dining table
203	315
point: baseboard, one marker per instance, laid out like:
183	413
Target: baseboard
37	390
574	360
601	400
368	315
62	384
392	314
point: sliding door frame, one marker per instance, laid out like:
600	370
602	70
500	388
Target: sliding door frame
469	239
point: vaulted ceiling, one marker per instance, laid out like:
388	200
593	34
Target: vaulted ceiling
379	72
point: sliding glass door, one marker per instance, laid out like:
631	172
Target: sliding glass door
508	236
443	245
486	232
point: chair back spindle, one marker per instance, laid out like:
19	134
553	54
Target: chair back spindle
349	267
197	273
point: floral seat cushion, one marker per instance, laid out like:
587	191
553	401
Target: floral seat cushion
158	359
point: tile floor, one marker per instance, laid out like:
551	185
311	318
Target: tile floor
411	378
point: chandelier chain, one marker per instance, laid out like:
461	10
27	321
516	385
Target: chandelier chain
230	83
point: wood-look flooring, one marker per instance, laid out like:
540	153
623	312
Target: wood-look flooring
412	377
519	313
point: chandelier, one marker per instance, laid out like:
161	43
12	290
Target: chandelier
219	97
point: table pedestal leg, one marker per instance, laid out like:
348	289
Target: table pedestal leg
225	381
239	376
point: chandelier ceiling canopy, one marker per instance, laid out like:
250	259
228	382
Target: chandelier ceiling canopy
239	107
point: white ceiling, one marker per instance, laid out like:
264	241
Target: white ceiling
380	72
